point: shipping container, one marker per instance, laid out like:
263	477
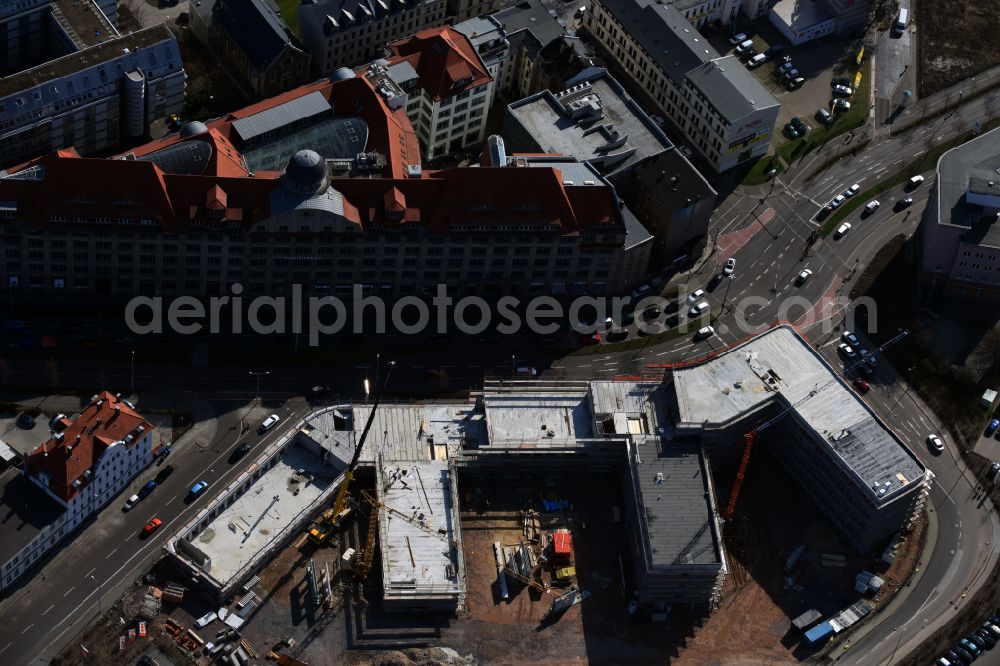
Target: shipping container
818	634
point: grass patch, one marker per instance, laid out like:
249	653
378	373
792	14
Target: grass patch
923	163
759	173
289	13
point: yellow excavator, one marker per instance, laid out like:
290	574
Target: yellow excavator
326	525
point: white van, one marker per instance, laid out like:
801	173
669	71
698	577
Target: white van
698	310
745	47
901	21
705	332
915	181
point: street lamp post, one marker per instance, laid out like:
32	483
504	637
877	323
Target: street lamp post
513	366
258	376
378	365
132	372
725	297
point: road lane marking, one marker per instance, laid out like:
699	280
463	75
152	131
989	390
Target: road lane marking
5	648
111	553
46	611
66	593
87	575
170	500
27	628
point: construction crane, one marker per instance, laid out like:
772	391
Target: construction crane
324	527
369	548
751	437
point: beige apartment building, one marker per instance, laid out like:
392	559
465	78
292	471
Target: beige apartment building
720	108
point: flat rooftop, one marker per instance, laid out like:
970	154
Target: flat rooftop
416	432
81	60
959	168
528	416
737	383
616	121
800	14
679	519
87	26
253	520
418	560
25	512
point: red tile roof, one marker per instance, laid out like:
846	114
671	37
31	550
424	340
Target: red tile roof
444	59
103	422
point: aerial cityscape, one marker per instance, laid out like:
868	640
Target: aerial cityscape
473	332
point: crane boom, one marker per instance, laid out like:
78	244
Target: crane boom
323	527
751	437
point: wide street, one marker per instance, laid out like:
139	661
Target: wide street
765	229
56	601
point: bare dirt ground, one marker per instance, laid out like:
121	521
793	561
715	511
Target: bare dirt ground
953	41
753	623
513	632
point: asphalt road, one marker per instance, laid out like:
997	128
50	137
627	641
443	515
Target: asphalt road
59	599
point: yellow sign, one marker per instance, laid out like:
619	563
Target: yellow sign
861	56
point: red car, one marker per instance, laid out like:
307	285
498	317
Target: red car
862	385
151	526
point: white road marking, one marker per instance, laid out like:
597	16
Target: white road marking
5	648
87	575
111	553
66	593
46	611
27	628
170	500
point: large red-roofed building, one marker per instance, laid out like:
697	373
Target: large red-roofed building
323	187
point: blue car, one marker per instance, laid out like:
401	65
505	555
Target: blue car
198	488
970	647
992	427
146	489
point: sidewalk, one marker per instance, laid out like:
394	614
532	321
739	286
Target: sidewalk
945	99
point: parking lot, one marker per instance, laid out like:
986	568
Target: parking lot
817	62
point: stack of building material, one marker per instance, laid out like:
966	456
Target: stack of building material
561	547
150	606
875	584
173	593
861	582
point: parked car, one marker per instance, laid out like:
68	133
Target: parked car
841	105
852	190
914	182
986	637
803	277
651	313
795	83
837	200
695	295
824	116
850	338
756	61
971	646
786	66
774	50
791	74
791	131
745	46
131	502
843	91
935	443
905	202
862	386
26	421
824	213
964	655
162	455
992	426
239	452
730	266
269	422
147	489
715	281
842	229
164	472
846	350
698	310
197	489
151	526
839	81
799	124
526	373
738	39
872	206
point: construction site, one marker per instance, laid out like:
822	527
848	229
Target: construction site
542	522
